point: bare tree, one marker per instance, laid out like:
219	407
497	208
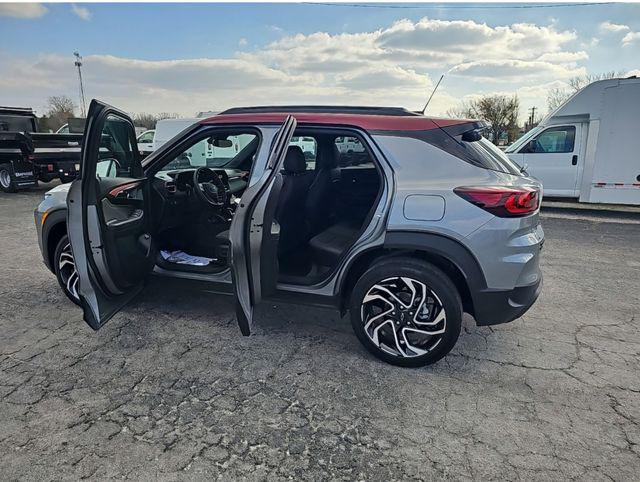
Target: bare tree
557	96
59	109
142	119
500	111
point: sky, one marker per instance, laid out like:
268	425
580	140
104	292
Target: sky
187	58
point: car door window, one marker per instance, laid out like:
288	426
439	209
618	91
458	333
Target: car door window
351	152
118	145
146	138
553	140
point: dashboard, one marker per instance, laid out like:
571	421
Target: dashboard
181	180
174	192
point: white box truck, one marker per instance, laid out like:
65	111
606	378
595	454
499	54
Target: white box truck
589	147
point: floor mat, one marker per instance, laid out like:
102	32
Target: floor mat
180	257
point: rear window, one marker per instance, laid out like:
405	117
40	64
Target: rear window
16	123
485	154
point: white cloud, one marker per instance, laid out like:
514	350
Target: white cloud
81	12
630	38
22	10
564	57
613	27
390	66
631	73
243	42
517	70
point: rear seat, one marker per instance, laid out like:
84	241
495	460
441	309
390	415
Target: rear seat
330	244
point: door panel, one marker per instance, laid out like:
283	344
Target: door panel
108	216
254	233
553	157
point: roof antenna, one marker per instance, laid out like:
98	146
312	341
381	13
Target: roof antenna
432	92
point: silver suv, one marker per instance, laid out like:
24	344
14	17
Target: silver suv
416	222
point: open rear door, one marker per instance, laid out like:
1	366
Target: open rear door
108	216
254	233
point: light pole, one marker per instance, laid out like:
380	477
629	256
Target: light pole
78	64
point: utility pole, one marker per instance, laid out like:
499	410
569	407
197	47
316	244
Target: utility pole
78	64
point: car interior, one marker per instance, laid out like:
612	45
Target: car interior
330	183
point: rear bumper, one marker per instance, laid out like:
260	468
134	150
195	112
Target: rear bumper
63	170
496	307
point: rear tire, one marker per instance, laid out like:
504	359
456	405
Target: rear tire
7	178
406	312
65	269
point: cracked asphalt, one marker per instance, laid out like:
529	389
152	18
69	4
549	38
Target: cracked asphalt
169	389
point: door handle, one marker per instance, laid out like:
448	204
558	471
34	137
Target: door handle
574	160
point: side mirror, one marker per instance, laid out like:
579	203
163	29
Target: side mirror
107	168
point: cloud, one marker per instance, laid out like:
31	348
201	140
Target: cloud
613	27
466	37
630	38
389	66
518	70
632	73
81	12
427	43
564	57
22	10
243	42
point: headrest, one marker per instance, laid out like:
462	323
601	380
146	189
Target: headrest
294	161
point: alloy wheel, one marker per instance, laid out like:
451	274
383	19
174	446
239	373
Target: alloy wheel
403	317
68	273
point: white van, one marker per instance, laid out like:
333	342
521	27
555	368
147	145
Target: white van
166	129
589	147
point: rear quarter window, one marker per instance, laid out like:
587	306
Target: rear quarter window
485	154
479	152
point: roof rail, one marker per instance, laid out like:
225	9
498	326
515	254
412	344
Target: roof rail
325	109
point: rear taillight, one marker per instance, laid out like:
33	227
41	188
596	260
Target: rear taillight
503	201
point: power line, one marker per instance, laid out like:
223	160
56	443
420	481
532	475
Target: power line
457	6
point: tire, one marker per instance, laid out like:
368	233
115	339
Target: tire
65	272
401	328
7	178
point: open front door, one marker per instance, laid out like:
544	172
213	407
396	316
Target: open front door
108	216
254	233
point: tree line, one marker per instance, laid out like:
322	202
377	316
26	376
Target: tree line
60	108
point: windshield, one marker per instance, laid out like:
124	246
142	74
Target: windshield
211	152
16	123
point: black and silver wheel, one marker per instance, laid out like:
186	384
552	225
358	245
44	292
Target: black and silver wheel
65	268
7	178
406	312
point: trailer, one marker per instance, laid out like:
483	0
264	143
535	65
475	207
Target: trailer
28	157
588	149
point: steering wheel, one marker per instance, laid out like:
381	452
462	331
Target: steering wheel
209	187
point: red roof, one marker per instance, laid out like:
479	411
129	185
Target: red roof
363	121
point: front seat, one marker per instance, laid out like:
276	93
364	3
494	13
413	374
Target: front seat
290	212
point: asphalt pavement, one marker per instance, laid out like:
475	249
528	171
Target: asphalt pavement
170	389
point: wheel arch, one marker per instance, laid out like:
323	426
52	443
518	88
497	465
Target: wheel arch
444	252
55	227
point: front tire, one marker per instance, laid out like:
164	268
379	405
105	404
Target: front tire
406	312
65	269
